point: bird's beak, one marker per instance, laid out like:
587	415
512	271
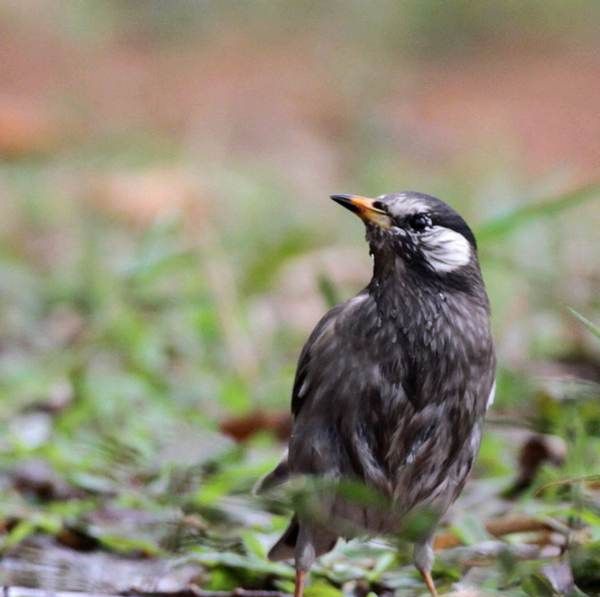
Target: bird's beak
363	207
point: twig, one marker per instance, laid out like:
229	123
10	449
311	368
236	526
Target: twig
569	481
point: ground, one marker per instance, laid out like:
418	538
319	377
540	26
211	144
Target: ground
166	245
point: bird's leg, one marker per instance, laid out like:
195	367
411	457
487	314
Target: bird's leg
305	556
426	574
299	586
423	559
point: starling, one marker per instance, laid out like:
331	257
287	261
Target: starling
392	386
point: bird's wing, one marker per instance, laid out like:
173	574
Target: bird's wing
348	355
366	408
281	473
348	396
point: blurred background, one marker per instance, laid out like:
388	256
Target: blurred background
167	243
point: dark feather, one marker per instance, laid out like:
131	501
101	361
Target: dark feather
392	387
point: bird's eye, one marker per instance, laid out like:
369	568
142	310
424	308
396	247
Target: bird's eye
419	222
379	205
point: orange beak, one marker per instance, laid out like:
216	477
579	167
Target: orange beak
363	207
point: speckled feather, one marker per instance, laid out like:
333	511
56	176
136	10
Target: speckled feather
391	389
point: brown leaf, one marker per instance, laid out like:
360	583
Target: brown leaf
536	451
244	427
500	527
36	478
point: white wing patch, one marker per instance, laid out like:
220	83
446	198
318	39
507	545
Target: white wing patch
445	249
491	397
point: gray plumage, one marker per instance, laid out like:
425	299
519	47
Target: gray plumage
392	386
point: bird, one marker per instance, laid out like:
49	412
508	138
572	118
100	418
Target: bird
392	385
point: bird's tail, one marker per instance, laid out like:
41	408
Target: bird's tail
284	548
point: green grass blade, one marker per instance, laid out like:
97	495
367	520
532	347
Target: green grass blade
507	223
592	327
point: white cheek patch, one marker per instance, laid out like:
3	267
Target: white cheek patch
445	249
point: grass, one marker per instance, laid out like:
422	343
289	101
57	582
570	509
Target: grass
133	324
117	369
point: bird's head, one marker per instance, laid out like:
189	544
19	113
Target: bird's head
426	234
